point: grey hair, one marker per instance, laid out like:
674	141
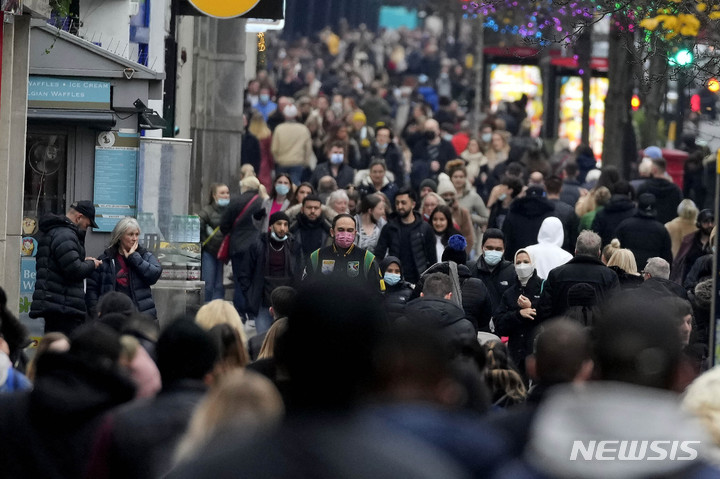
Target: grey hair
121	228
588	244
657	268
337	195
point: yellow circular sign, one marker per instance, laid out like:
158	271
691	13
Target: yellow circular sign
224	8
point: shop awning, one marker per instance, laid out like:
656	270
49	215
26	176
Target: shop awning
101	120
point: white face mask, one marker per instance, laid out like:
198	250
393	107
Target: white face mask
524	270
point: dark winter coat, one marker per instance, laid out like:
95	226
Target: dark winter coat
690	250
345	176
309	236
396	296
445	317
421	164
667	197
662	287
496	280
580	269
53	427
475	296
570	222
210	218
645	237
61	270
523	222
254	279
144	271
702	269
627	280
606	221
422	240
139	439
509	322
393	160
244	233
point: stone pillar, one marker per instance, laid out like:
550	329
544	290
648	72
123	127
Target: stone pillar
218	94
13	125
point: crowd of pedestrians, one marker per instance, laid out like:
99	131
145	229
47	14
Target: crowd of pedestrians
428	301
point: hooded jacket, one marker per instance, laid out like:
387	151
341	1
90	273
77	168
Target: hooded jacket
61	270
667	194
422	244
445	317
497	280
144	270
522	224
646	237
607	220
397	295
475	297
548	252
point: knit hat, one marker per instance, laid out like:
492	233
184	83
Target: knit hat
278	216
445	185
455	250
185	351
359	116
432	184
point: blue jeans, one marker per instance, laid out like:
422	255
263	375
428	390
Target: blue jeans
212	274
295	172
238	295
263	320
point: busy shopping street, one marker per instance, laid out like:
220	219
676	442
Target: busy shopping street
359	239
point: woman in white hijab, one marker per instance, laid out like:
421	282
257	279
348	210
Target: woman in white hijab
515	316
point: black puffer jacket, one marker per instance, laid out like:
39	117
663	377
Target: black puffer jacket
475	296
496	280
522	224
210	218
445	317
607	220
509	322
61	270
397	295
422	241
667	194
244	233
145	270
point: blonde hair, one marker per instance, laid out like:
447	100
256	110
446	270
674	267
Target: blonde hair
242	399
687	210
258	127
703	401
610	249
625	260
122	227
219	311
267	350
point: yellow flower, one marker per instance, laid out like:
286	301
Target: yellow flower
650	24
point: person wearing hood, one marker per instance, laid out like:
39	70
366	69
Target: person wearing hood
620	207
522	224
667	193
468	292
62	268
548	252
631	410
127	267
495	272
375	179
515	316
397	291
435	310
643	234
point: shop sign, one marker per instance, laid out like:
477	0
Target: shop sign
68	93
217	9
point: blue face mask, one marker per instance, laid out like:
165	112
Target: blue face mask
223	201
275	237
391	279
486	137
336	158
493	257
264	98
282	189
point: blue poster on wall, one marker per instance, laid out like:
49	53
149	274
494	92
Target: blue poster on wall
393	18
115	184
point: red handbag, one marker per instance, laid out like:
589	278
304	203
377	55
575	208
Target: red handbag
224	251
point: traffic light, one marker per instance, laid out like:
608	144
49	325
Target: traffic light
695	103
683	57
713	85
635	103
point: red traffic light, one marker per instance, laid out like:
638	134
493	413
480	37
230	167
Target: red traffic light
695	103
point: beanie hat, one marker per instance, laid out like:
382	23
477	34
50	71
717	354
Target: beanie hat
455	250
432	184
445	185
359	116
278	216
185	351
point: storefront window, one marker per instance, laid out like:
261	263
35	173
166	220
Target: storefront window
45	174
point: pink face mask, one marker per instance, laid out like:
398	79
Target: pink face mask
344	239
